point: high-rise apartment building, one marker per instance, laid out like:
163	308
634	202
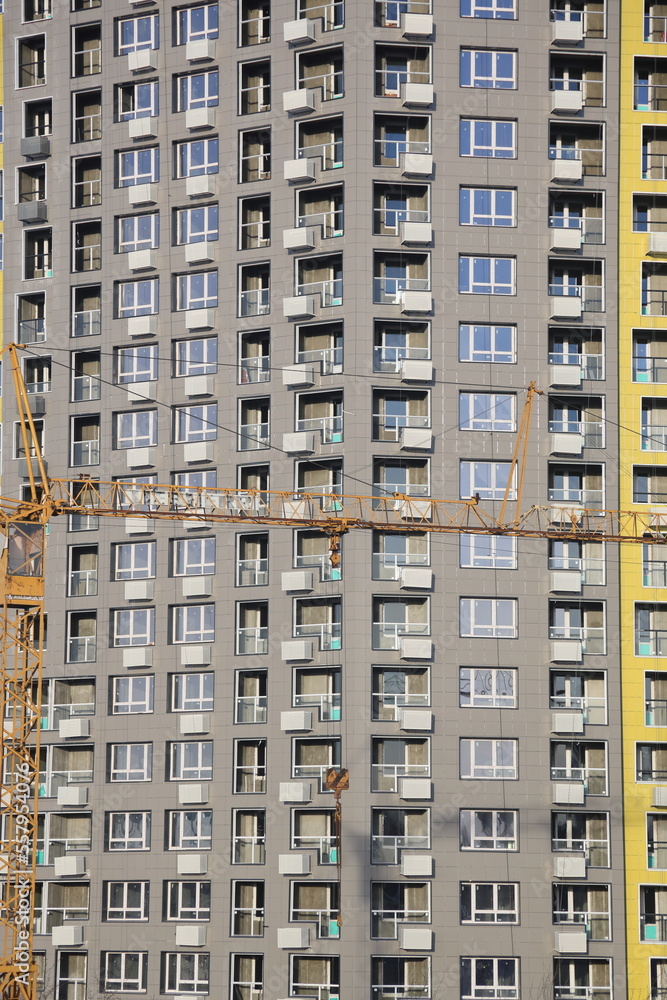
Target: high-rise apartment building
324	248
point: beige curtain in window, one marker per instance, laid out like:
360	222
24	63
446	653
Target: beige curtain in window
415	824
312	544
309	972
315	682
594	757
416	752
314	752
598	905
415	898
596	830
312	824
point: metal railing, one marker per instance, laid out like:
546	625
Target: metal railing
328	705
591	166
592	570
328	634
592	296
388	635
255	369
408	992
83	583
328	497
255	99
393	703
594	778
656	711
591	229
254	437
315	991
654	438
592	91
255	302
391	425
325	846
86	323
581	497
387	565
385	777
389	82
327	920
386	850
649	369
329	358
591	365
654	573
82	649
39	265
650	97
390	290
651	642
87	61
88	127
252	572
594	710
595	921
251	778
31	331
592	431
316	771
256	166
655	28
55	916
85	453
51	781
330	291
585	845
331	222
389	359
404	489
582	992
330	153
251	708
253	640
58	847
255	234
388	220
331	428
86	387
256	30
88	258
331	84
593	639
248	920
388	12
654	303
88	192
653	926
654	166
592	21
249	850
332	14
53	714
322	563
385	923
392	149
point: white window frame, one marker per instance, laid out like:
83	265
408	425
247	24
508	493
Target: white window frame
138	298
130	761
124	982
137	166
480	342
470	144
197	291
197	225
487	551
182	697
136	364
196	357
146	25
495	80
494	841
191	760
138	232
136	429
472	213
134	700
485	619
200	89
487	411
134	627
496	990
489	479
488	687
187	153
493	769
193	623
197	840
123	909
195	423
187	31
145	99
496	9
176	977
496	913
127	842
194	556
472	284
176	907
141	561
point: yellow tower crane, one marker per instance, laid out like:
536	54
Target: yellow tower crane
23	532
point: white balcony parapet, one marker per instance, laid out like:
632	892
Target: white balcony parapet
568	102
141	61
300	32
567	32
567	722
420	233
417	94
294	864
417	164
569	867
200	50
417	25
297	649
301	238
143	128
567	169
417	865
303	169
199	253
197	118
296	721
570	793
200	186
565	238
297	102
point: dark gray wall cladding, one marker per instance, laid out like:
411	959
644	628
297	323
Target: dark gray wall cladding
529	243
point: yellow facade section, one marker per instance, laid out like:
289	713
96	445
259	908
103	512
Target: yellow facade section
635	657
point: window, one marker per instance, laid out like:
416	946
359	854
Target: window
137	298
196	357
651	762
38	257
255	88
197	291
132	695
135	561
124	971
138	232
125	901
196	423
82	637
87	186
197	90
490	978
255	155
394	759
248	909
489	903
395	830
31	61
188	900
191	761
505	9
487	275
83	571
194	623
488	830
247	976
87	123
87	49
494	69
487	207
487	551
134	627
401	977
588	832
487	687
487	137
487	411
395	688
249	837
194	557
205	480
197	225
137	33
130	762
487	344
488	618
192	692
189	830
250	766
197	157
128	831
488	479
136	364
185	972
87	246
137	100
193	23
136	429
493	759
